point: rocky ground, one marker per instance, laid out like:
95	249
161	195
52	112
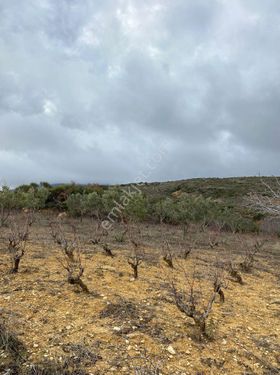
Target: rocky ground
127	326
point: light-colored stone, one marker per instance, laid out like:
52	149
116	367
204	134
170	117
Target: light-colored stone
171	350
117	329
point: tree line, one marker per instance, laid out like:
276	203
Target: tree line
119	205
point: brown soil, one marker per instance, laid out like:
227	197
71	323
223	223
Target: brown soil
124	324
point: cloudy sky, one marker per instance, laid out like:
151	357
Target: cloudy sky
107	90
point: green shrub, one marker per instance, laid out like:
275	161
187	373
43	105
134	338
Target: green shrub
137	208
8	202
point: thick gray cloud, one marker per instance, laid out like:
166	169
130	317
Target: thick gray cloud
90	90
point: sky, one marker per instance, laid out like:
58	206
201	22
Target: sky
110	91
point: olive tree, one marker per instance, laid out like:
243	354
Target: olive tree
34	198
8	201
75	206
196	208
84	205
137	208
166	210
109	198
93	202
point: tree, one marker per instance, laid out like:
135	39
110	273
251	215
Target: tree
113	204
137	208
166	211
196	209
93	204
84	204
74	205
8	201
109	199
34	198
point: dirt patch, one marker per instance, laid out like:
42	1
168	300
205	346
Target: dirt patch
124	325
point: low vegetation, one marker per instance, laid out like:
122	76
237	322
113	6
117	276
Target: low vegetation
223	202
